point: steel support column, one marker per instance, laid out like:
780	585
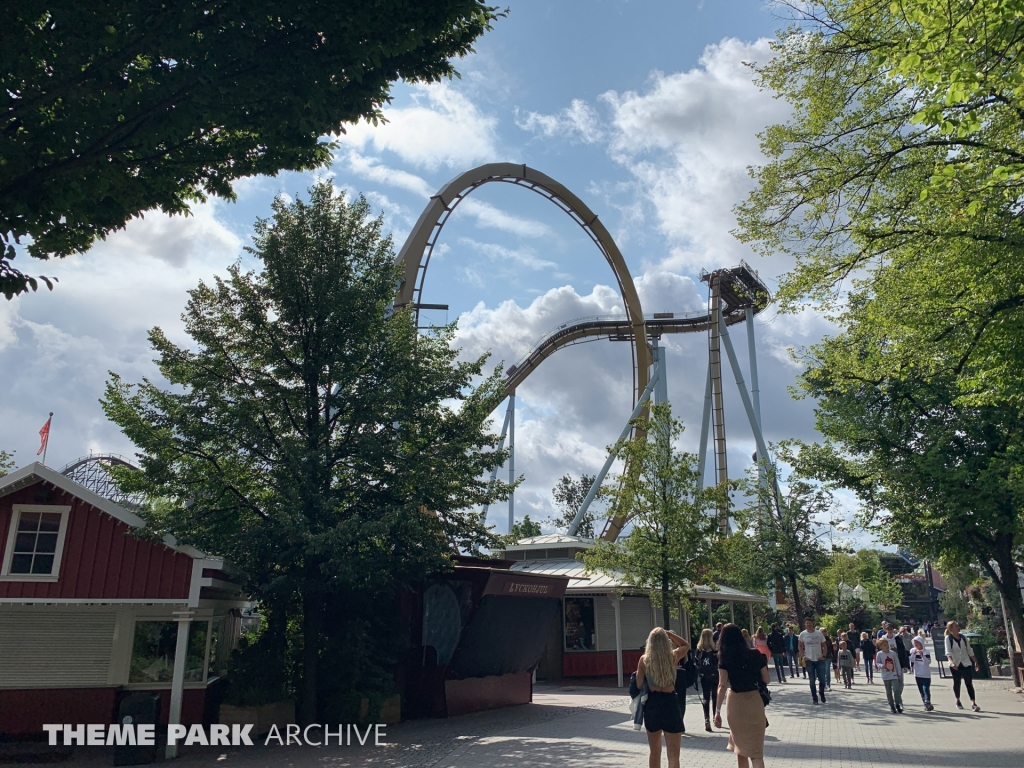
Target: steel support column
511	459
501	444
705	426
737	372
596	486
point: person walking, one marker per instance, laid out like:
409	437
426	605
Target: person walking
888	663
717	632
830	655
867	653
962	663
896	646
846	664
662	714
793	652
761	644
746	638
921	666
706	659
777	645
741	672
812	651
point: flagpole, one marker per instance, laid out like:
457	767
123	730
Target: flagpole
46	445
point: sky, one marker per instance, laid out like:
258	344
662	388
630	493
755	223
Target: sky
645	109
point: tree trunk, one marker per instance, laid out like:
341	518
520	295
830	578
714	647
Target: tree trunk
796	600
666	616
312	625
1007	582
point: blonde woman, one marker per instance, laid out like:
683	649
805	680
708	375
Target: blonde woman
706	659
661	711
740	669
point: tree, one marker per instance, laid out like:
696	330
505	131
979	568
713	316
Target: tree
521	529
112	109
308	434
6	462
674	521
785	523
862	567
568	495
935	475
896	184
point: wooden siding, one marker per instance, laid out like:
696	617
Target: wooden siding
102	560
55	648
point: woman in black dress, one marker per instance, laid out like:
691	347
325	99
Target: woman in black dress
740	669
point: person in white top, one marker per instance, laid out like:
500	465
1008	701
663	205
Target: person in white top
812	650
920	663
962	663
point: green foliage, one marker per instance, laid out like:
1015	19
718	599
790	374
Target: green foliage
786	523
6	462
864	568
112	109
895	185
521	529
257	673
314	438
935	475
674	520
736	563
568	495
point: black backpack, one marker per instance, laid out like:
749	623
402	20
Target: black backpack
708	667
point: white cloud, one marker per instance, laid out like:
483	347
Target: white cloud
171	239
518	257
56	348
371	169
489	217
688	140
577	122
442	128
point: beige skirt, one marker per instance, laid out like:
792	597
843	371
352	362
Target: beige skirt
745	713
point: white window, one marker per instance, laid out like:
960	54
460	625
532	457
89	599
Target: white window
35	543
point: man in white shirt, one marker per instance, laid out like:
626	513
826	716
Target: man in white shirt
812	650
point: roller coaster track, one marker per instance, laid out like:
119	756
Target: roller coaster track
734	293
611	327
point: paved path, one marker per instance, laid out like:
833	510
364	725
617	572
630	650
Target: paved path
587	726
854	730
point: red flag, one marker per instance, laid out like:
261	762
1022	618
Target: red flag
44	435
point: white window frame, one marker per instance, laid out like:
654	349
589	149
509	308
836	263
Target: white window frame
58	555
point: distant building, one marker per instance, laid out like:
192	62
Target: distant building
604	621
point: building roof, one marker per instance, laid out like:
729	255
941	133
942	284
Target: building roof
549	540
599	582
36	472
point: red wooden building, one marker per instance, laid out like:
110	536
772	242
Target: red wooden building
91	611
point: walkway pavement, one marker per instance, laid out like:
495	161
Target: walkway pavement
588	726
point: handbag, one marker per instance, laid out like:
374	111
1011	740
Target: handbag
766	695
686	675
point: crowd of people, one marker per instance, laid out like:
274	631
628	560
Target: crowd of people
729	668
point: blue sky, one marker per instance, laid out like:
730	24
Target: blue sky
644	109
